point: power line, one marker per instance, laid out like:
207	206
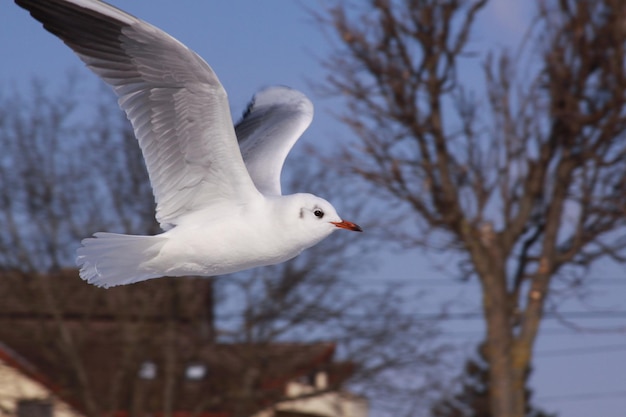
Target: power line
547	315
583	396
454	282
477	315
580	350
561	331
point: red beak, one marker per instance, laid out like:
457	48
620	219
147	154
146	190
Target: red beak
348	226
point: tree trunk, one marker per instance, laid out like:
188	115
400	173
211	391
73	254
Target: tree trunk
506	400
507	383
506	379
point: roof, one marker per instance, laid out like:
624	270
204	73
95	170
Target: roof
143	347
27	295
11	358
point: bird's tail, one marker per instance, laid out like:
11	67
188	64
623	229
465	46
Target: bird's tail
110	259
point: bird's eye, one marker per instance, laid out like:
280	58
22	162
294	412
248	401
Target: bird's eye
318	213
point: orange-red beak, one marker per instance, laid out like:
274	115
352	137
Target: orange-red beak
348	226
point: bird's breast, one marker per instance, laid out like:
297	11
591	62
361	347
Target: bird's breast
224	244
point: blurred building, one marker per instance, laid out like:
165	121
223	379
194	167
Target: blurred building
70	349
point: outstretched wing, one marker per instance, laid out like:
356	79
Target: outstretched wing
175	102
273	122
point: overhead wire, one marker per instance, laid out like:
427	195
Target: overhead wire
582	396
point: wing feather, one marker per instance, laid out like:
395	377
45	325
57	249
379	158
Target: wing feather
175	102
275	119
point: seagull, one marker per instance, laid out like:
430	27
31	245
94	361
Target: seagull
216	186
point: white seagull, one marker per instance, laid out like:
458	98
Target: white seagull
219	203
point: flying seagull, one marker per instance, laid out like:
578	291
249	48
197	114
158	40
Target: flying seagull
216	186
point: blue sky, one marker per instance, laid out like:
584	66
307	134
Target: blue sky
251	44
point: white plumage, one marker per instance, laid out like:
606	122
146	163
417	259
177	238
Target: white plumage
220	214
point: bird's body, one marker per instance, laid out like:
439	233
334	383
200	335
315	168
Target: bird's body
217	186
207	242
276	238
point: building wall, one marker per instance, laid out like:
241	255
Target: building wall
16	387
328	404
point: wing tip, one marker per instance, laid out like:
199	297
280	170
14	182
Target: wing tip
278	95
86	6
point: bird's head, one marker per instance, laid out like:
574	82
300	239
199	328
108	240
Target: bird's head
316	217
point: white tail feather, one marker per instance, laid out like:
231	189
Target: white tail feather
110	259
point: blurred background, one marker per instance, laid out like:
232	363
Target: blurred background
481	146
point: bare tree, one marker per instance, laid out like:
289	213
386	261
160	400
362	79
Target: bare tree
69	169
60	163
524	181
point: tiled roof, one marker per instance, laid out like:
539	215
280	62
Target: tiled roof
94	343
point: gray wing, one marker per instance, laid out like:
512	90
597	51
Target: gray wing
175	102
275	119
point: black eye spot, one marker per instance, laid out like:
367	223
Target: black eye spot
318	213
